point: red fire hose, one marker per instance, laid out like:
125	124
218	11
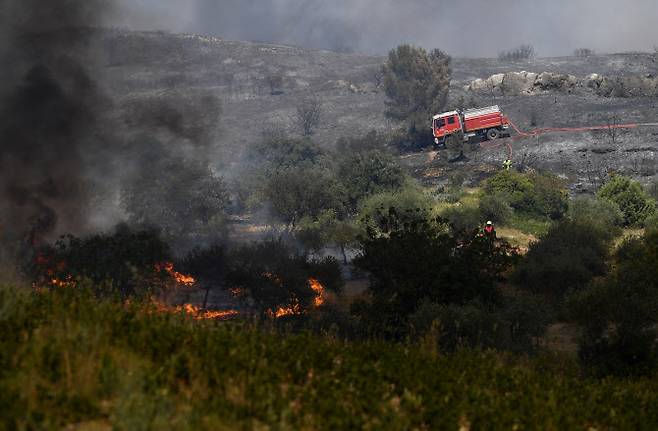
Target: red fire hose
536	132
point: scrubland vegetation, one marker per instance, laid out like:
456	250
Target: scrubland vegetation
70	360
449	330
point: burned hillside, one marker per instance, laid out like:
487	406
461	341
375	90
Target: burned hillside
260	86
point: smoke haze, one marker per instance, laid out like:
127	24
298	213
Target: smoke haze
471	28
49	105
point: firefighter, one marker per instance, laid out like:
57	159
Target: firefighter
490	231
507	164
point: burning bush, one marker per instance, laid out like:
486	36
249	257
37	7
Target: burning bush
125	262
273	279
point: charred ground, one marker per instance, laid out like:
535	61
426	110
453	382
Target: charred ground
260	86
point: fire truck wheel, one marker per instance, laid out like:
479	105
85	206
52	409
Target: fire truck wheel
492	134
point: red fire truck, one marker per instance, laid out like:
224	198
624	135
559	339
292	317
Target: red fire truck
488	123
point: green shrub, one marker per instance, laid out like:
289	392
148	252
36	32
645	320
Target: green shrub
409	201
314	233
495	208
528	316
302	191
602	213
617	314
533	193
464	218
565	259
653	190
651	224
412	260
365	173
69	361
632	200
514	325
461	326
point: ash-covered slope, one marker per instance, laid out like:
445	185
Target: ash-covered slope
259	86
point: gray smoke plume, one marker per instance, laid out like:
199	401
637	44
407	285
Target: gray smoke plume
50	107
465	28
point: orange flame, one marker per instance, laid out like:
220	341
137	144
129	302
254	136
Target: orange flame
196	312
185	280
318	288
67	282
295	309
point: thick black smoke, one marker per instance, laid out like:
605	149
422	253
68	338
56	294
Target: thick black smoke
50	108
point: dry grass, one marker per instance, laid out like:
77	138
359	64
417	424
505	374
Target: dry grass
516	237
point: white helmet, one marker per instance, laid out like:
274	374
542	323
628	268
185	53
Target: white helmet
489	223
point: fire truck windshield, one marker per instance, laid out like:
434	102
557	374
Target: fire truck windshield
439	122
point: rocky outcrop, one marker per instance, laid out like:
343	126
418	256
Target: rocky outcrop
529	83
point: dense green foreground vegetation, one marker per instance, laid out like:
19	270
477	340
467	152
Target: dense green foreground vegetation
68	359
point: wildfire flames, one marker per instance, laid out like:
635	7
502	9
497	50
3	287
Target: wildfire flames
318	288
295	309
196	312
67	282
185	280
52	279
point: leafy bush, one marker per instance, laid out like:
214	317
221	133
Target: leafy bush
276	151
303	191
410	202
365	173
632	200
461	326
412	260
513	326
563	260
618	313
463	218
417	86
495	208
314	233
653	190
533	193
603	214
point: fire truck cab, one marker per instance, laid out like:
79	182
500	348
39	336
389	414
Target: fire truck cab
488	123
